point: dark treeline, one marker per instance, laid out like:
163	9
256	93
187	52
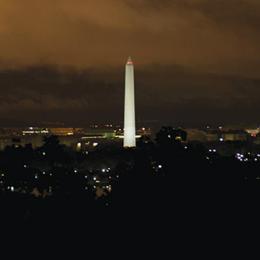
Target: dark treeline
167	181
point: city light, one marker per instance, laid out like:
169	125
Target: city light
79	146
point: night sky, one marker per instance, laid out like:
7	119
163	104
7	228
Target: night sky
196	61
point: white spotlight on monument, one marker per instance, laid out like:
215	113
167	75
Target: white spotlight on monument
129	120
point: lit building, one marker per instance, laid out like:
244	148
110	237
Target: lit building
230	135
235	135
35	131
129	113
64	131
196	135
253	132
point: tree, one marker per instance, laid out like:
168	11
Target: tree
145	142
169	135
53	151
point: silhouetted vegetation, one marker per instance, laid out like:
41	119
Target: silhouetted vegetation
168	176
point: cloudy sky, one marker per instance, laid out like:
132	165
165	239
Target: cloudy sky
196	61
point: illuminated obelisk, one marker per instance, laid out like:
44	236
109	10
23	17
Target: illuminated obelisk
129	121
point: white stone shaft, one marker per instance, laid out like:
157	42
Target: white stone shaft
129	115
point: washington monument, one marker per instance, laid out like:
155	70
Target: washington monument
129	120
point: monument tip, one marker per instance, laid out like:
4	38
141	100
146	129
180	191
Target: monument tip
129	61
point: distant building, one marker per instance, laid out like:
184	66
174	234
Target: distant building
34	140
196	135
35	131
59	131
231	135
253	132
235	135
77	138
213	135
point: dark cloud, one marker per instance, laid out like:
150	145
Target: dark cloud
164	94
